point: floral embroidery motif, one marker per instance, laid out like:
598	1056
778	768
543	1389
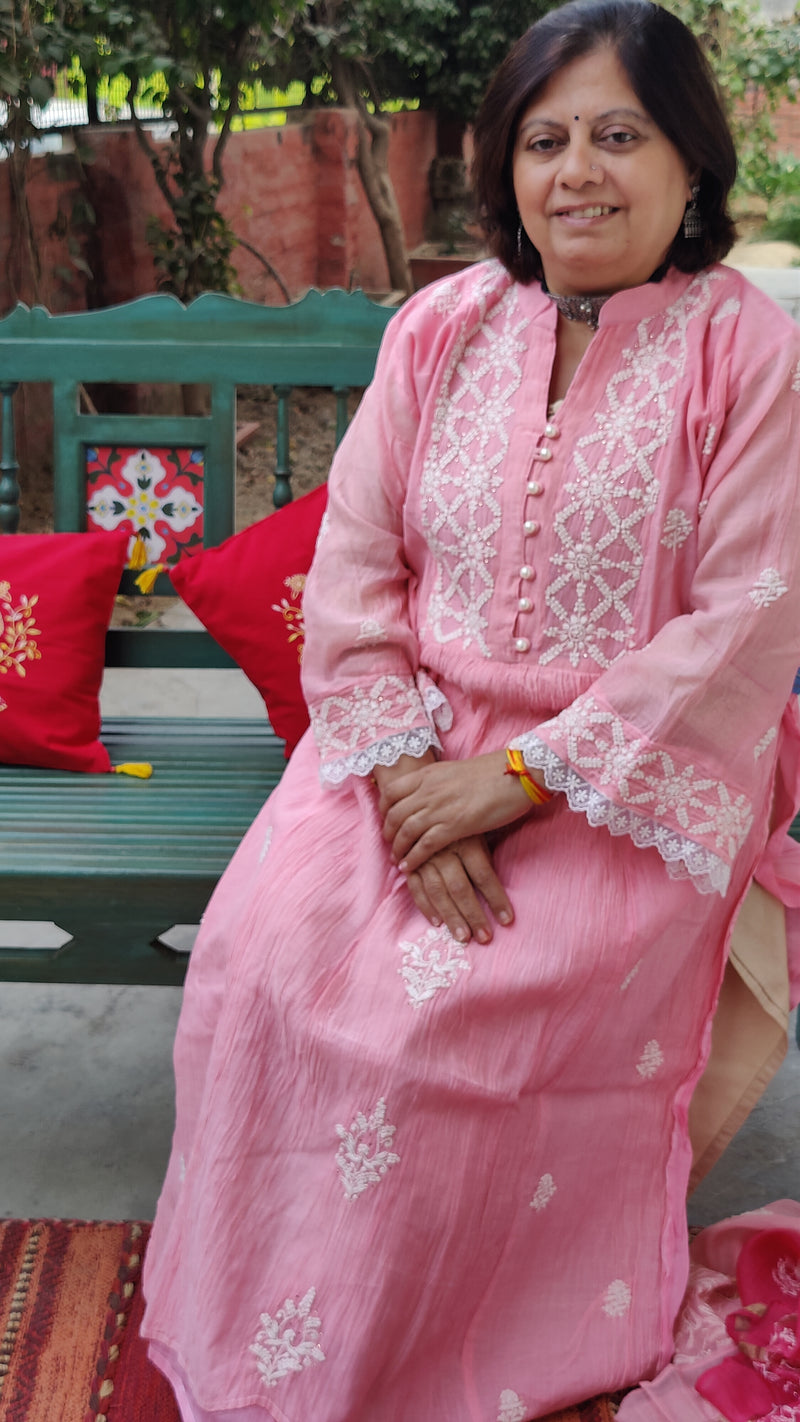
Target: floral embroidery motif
677	528
371	631
545	1191
711	435
731	307
702	506
432	964
626	982
510	1408
265	846
796	379
445	299
365	1156
291	610
390	705
651	1060
159	503
289	1342
461	475
768	587
18	633
617	1299
765	742
598	528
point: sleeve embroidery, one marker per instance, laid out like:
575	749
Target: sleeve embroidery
696	823
377	724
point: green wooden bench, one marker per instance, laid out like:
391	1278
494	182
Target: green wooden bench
115	862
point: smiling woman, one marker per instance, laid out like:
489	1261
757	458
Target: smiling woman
453	998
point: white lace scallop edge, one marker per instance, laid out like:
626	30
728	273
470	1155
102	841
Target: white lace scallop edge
683	857
385	752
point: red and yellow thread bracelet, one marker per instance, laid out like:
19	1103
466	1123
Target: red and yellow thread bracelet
516	766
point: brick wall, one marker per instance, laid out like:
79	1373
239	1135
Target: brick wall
293	193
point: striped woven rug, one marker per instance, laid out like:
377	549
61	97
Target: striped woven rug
70	1308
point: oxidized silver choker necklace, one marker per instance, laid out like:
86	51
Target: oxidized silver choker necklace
579	308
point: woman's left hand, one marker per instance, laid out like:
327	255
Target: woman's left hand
431	807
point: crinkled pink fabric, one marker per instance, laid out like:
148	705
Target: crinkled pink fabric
416	1180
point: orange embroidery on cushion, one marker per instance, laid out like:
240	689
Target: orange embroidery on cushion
18	631
292	611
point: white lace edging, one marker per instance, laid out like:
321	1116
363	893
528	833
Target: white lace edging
435	702
684	858
384	752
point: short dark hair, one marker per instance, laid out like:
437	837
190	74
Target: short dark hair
670	76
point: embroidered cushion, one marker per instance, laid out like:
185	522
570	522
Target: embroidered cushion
56	598
248	593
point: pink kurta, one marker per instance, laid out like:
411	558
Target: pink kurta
419	1182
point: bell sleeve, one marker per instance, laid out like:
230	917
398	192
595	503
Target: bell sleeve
368	702
675	744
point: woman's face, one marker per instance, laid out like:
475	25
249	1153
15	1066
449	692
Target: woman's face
601	191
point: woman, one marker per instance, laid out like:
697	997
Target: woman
450	1005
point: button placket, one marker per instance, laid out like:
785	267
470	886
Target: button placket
530	528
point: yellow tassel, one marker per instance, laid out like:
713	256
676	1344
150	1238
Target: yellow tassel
146	581
138	558
139	769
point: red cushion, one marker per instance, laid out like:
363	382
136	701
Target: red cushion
56	598
248	593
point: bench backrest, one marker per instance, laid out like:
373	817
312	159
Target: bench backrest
328	339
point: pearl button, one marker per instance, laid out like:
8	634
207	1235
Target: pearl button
530	526
526	572
552	431
535	488
544	454
522	644
524	604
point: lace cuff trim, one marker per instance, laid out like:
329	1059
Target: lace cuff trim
385	752
683	857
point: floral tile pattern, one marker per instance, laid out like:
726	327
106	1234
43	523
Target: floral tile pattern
156	493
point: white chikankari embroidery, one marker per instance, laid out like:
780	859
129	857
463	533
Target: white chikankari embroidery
626	982
651	1060
510	1408
461	476
544	1193
701	507
796	379
711	435
435	702
613	488
731	307
382	715
683	856
617	1299
677	528
365	1156
371	631
265	846
288	1342
598	741
445	299
432	964
787	1276
765	742
767	588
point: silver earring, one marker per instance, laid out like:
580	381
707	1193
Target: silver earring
519	242
692	220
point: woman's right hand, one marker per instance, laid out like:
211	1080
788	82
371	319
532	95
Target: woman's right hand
447	886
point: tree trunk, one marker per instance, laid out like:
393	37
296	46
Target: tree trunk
373	170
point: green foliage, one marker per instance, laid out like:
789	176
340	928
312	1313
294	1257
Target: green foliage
193	254
756	64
